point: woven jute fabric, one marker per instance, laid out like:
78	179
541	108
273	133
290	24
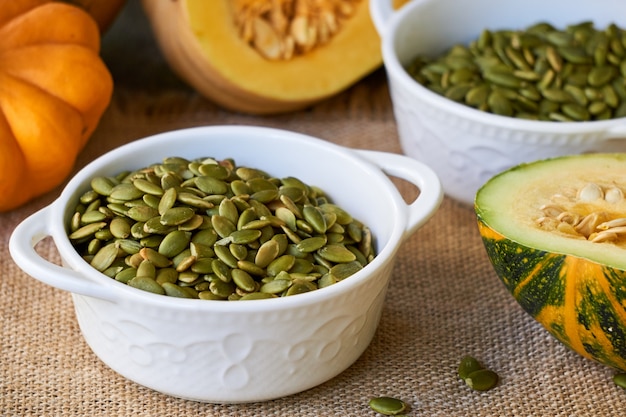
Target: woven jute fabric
444	299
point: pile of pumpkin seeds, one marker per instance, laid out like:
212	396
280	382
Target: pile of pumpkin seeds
209	229
538	73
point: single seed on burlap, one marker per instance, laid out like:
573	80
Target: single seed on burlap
482	380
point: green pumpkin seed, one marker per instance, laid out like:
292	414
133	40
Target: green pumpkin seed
499	104
299	286
504	79
213	170
599	76
102	185
152	226
125	192
244	236
211	185
166	275
146	284
174	243
174	290
243	280
92	216
126	275
146	269
177	215
276	286
344	270
576	111
148	187
104	257
157	259
280	264
482	380
256	296
222	225
312	244
221	289
87	230
267	253
620	379
142	213
387	406
468	365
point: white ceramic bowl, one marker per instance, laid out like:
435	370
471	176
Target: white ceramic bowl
465	146
228	351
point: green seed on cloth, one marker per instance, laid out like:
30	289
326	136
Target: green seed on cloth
388	406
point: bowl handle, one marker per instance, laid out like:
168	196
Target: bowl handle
22	248
417	173
381	11
616	132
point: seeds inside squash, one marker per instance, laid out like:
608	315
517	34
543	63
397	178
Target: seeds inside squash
554	232
267	56
283	29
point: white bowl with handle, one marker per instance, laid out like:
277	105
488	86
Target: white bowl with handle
463	145
237	351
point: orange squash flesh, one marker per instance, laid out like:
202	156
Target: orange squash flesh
200	41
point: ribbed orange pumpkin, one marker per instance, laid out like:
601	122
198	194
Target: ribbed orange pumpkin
54	88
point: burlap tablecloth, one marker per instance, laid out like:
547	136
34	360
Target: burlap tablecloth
444	300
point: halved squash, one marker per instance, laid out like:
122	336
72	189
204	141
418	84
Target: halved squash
224	50
555	233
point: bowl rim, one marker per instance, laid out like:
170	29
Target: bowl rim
398	74
125	293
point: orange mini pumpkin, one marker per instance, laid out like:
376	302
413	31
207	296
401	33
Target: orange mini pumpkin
54	88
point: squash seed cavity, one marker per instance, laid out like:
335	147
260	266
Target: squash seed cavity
284	29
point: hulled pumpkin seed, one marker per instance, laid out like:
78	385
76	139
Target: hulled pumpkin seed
467	366
620	379
195	229
387	406
475	375
146	284
105	257
482	380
